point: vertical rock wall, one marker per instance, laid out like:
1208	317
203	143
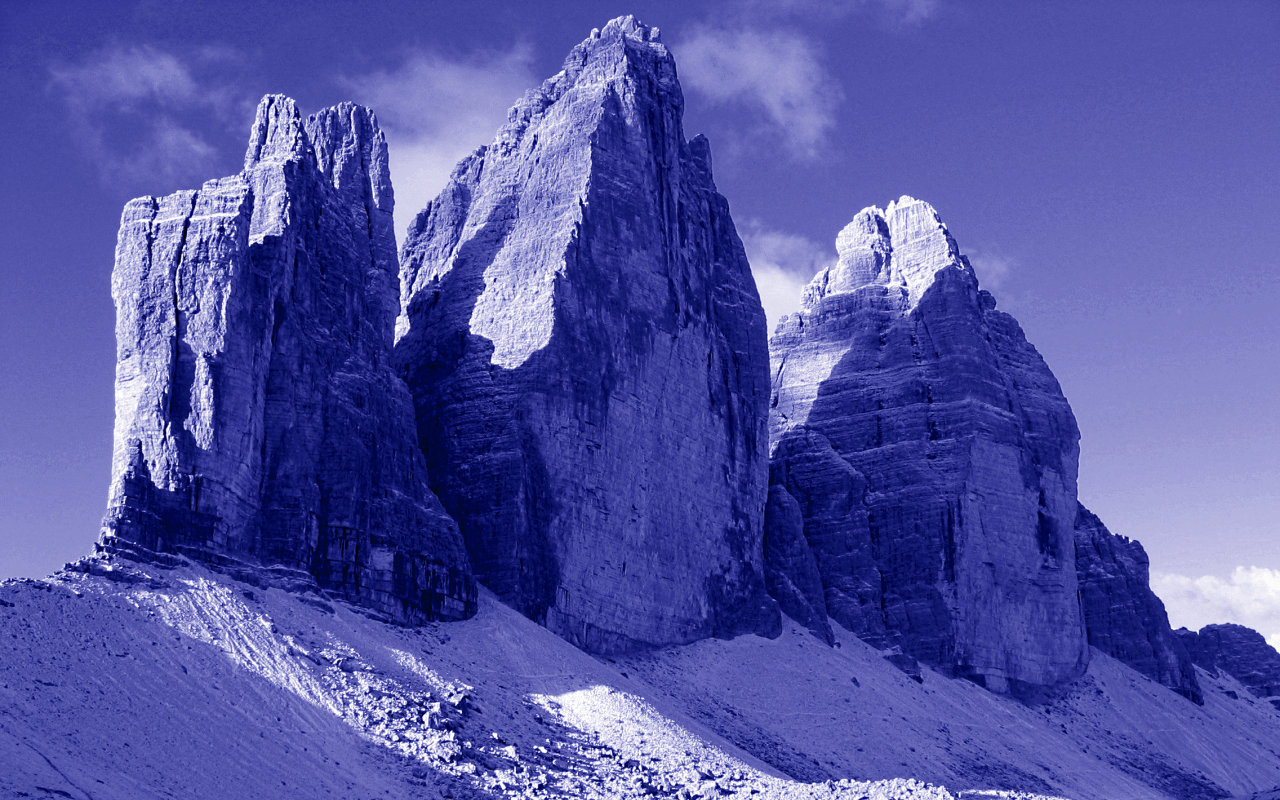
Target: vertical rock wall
258	414
588	360
1123	617
933	458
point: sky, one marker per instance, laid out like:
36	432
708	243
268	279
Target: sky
1111	168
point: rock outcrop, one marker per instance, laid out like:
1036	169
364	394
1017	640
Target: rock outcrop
588	360
1240	652
259	418
1123	617
933	458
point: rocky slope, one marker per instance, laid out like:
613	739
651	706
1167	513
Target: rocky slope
136	681
933	460
588	361
1124	618
1240	652
259	419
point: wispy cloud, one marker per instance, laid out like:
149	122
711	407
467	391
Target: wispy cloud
435	111
894	13
776	73
131	110
761	54
1251	596
782	263
992	267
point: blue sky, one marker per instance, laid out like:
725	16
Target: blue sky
1111	168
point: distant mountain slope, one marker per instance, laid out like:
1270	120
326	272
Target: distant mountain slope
148	682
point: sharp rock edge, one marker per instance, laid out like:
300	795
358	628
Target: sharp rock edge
259	422
588	360
931	458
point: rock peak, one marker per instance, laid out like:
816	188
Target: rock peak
259	421
278	135
572	280
906	244
924	453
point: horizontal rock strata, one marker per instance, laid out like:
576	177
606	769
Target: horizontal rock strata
588	359
933	458
1240	652
1123	617
258	415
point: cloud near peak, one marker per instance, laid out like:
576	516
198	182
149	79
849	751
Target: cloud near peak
137	113
435	111
1251	597
776	75
782	264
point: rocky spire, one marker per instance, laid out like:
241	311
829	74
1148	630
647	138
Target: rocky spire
933	459
588	359
1123	617
258	418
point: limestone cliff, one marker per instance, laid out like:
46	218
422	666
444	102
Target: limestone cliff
588	360
258	415
1241	652
933	458
1123	617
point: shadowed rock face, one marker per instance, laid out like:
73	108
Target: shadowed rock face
1123	617
1241	652
258	415
588	360
933	458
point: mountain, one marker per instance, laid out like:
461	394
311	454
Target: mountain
1240	652
588	360
1124	618
260	424
279	605
931	457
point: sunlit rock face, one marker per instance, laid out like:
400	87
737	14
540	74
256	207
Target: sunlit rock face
933	458
1123	617
588	360
1241	652
258	414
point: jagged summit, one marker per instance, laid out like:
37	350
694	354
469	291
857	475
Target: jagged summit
258	419
589	363
600	78
931	458
904	245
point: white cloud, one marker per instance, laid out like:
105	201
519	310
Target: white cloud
990	265
907	12
782	264
776	73
126	107
1251	597
895	13
436	111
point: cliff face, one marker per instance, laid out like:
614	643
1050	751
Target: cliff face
933	458
1241	652
258	415
588	360
1124	618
